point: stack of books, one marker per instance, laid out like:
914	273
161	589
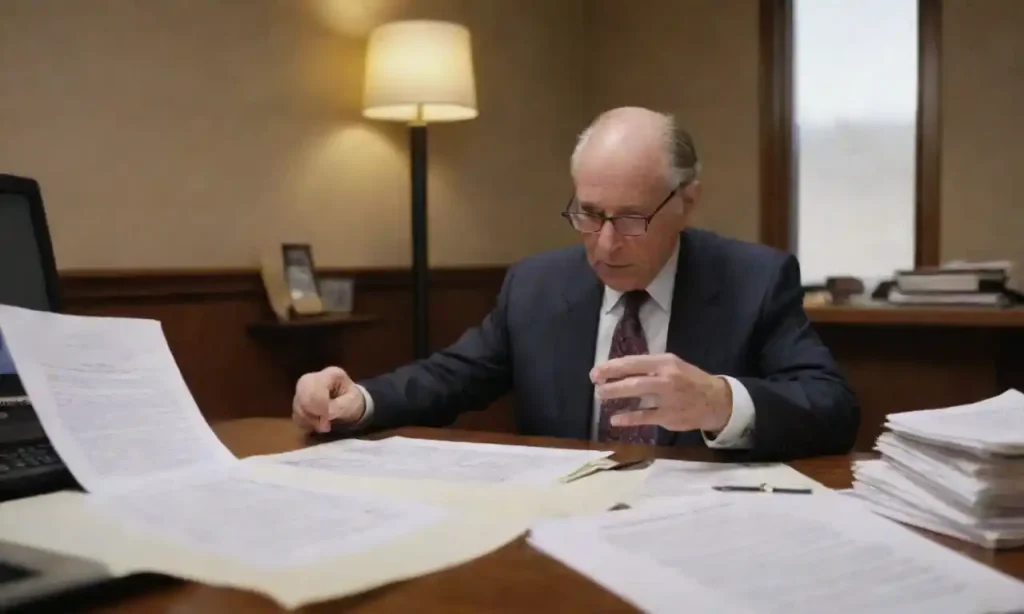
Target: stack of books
980	284
958	471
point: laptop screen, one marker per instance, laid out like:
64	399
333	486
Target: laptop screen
22	273
6	364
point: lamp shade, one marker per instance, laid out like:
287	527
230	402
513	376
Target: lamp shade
419	72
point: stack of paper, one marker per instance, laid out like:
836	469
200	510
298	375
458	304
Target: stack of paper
958	471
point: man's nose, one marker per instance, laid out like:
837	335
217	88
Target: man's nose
607	238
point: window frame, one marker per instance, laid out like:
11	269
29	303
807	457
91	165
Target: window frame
777	172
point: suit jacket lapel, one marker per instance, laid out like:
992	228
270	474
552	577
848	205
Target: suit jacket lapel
575	341
692	324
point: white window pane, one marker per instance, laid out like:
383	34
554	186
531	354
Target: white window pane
855	107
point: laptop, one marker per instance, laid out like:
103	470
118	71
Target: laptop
28	278
28	463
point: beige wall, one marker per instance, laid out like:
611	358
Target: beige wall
983	130
190	134
697	59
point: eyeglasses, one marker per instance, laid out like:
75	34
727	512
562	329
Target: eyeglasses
629	225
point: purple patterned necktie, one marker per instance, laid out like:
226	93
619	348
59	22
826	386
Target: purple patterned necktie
627	340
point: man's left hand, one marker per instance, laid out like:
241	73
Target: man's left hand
685	397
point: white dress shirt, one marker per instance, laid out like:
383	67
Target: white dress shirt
654	317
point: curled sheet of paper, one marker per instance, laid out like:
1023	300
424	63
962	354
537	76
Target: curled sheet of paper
110	398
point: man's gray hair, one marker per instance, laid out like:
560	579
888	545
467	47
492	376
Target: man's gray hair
683	164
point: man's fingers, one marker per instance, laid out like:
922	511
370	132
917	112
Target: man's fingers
311	393
348	407
299	405
638	386
637	418
618	368
673	421
314	392
336	379
300	418
641	364
301	421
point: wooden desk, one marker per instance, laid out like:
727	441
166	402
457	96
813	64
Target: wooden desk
514	578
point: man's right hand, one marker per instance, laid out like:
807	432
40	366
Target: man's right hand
326	396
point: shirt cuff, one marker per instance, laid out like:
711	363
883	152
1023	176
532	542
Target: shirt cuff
367	416
738	433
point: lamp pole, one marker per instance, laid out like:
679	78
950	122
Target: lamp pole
405	82
420	267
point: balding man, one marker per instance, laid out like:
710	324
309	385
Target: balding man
650	332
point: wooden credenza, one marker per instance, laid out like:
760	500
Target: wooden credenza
904	358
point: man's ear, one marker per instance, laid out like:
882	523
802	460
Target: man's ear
692	192
691	198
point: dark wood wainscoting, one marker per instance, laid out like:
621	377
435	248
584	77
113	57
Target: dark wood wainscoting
231	373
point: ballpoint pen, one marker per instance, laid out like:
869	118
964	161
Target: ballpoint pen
764	488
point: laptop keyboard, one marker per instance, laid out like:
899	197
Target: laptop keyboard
27	458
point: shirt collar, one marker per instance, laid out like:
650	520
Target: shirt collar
660	288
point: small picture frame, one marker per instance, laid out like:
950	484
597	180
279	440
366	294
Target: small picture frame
299	272
300	276
337	293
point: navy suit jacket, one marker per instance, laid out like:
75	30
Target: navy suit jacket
737	310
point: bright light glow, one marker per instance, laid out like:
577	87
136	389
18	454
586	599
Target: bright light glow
855	106
420	72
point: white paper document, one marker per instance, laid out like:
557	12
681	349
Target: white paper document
670	478
994	426
265	524
730	552
110	397
421	459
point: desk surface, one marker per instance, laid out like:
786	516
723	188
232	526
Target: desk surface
514	578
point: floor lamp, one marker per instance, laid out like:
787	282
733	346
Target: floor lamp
419	72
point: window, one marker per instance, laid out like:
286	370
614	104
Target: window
854	137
